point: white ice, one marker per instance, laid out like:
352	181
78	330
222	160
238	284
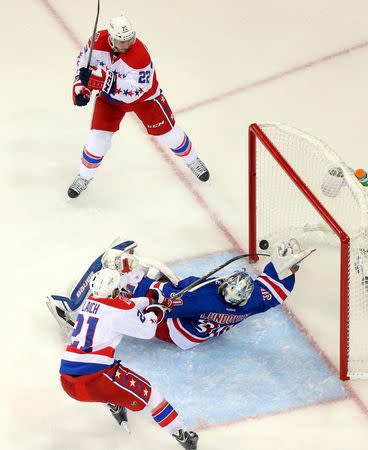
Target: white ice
301	63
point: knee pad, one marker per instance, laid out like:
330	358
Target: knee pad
174	138
99	142
155	399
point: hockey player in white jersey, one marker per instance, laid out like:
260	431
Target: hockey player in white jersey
89	371
124	77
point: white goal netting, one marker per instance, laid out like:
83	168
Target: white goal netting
283	210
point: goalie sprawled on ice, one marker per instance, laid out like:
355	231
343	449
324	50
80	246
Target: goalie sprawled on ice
207	310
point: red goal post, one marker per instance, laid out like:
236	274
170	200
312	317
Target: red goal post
298	187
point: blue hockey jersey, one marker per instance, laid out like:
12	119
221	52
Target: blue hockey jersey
203	313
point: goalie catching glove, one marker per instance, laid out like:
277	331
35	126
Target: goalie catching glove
286	256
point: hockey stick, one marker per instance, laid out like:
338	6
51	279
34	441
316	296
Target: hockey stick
94	34
211	272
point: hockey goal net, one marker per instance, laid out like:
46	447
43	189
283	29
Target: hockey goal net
298	187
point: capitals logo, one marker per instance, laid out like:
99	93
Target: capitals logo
266	295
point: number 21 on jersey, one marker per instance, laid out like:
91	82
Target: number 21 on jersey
84	331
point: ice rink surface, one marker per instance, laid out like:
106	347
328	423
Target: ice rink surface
273	381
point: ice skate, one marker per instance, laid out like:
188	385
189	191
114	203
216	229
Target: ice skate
78	185
187	439
199	169
120	415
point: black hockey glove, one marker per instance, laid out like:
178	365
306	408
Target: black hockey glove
81	100
81	95
84	75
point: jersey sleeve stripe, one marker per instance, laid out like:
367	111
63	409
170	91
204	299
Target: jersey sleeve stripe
277	289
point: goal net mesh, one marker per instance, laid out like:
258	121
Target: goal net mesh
283	211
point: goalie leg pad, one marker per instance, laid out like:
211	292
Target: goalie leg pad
60	309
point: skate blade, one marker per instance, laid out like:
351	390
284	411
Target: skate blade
125	426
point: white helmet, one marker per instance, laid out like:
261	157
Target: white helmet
237	288
120	29
104	283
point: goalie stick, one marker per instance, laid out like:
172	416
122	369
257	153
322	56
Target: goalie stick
211	272
94	34
65	316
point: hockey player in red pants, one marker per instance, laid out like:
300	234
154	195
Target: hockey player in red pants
124	76
88	370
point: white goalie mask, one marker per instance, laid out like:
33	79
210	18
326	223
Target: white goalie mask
237	288
121	33
105	283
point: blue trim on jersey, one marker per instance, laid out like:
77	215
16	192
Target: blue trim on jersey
80	368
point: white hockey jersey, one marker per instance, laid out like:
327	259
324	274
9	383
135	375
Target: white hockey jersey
135	73
100	325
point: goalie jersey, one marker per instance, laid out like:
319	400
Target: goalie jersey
203	313
100	325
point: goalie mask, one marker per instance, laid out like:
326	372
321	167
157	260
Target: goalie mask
119	260
105	283
237	288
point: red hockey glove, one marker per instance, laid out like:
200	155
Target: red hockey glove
167	303
156	299
152	295
98	79
81	95
158	310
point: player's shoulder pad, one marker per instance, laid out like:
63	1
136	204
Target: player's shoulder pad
101	41
137	57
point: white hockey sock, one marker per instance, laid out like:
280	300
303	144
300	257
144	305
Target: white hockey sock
163	413
179	144
166	416
97	145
